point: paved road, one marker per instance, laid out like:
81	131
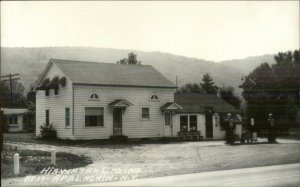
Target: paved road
279	175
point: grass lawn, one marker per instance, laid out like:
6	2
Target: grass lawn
33	161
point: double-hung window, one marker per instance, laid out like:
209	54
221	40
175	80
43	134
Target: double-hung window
67	117
94	116
47	117
145	114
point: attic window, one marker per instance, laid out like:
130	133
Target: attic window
94	97
154	97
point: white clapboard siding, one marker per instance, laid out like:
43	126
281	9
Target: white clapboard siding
55	104
133	126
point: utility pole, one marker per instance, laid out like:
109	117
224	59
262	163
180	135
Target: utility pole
176	83
10	78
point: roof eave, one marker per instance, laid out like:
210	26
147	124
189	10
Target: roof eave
118	85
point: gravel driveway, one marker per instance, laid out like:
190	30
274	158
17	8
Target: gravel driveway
125	162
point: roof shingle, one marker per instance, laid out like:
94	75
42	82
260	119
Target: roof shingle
199	103
94	73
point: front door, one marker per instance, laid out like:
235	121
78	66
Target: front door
168	124
117	121
208	125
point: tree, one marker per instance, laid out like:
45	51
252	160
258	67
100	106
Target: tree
287	70
4	94
132	59
259	90
274	89
18	100
207	85
227	94
190	88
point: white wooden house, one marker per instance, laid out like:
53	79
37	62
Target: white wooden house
90	100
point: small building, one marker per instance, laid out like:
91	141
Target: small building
16	119
206	113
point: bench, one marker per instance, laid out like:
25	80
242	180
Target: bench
190	135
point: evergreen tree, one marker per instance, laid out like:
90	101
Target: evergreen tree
207	85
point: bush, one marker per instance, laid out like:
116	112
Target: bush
47	132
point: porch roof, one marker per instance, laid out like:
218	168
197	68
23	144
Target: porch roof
14	111
171	106
120	103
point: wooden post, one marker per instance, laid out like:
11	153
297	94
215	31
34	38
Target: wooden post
2	127
16	164
53	157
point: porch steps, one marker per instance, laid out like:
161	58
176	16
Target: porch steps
119	138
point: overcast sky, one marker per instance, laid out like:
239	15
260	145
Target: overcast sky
207	30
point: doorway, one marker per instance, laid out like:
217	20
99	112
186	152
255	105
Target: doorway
209	125
117	121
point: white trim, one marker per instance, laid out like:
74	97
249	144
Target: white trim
177	105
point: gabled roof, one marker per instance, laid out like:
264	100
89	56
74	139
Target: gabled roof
120	103
109	74
201	103
171	106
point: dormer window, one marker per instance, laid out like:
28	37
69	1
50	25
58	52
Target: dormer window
153	97
94	97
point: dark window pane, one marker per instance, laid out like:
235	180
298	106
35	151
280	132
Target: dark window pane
47	92
67	117
94	116
56	91
193	122
183	123
47	117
